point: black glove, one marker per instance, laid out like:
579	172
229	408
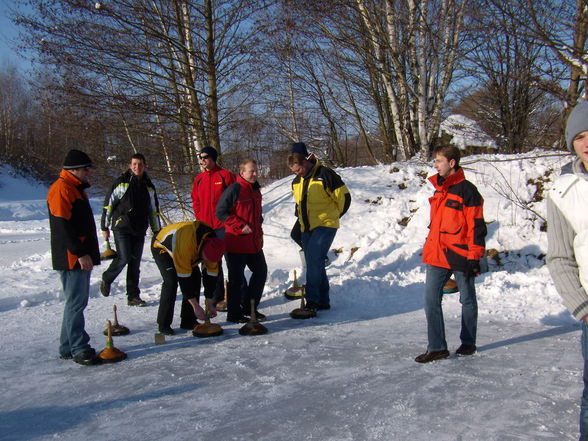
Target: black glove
473	268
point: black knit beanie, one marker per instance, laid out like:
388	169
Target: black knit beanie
300	148
76	159
210	151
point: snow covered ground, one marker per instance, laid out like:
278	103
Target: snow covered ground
348	374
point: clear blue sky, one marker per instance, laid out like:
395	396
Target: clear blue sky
8	36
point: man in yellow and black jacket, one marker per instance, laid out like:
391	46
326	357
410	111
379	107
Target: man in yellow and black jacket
74	252
178	249
321	199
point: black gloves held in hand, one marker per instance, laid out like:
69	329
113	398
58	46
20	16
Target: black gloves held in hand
473	268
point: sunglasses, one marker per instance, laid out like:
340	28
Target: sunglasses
204	156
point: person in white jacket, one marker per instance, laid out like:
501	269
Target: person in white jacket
567	236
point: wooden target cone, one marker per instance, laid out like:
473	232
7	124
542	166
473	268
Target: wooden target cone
207	329
295	291
450	287
253	327
110	354
116	328
301	313
222	305
108	253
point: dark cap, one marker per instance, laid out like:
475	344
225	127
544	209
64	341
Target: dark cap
300	148
76	159
210	151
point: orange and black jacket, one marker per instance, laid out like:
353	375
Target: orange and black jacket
457	230
73	230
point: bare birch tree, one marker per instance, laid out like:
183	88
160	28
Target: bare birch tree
414	46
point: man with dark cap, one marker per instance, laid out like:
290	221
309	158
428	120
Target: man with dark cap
567	236
130	207
74	252
206	192
321	199
178	250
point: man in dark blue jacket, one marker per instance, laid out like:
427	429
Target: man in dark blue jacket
129	208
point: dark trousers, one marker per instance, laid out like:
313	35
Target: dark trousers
239	291
129	250
219	289
169	289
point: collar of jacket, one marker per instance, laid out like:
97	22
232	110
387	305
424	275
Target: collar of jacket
450	180
214	169
72	179
243	182
579	169
314	168
128	175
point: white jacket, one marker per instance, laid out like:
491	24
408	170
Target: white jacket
567	235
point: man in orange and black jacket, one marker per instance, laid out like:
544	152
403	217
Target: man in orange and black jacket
455	244
74	252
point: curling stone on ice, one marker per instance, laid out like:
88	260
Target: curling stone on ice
116	328
207	329
110	354
295	291
222	305
108	253
252	327
450	287
301	313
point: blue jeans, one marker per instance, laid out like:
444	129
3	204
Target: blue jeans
316	245
129	248
584	402
436	277
76	288
240	293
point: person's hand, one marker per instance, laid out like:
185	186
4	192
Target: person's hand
210	303
246	230
106	234
86	263
199	312
473	269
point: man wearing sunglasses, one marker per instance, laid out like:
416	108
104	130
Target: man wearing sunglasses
206	192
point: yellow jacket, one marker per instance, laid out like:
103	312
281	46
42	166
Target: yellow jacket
183	242
321	198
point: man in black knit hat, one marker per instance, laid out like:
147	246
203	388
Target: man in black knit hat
74	252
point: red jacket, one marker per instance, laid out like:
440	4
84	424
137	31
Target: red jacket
206	191
457	230
240	205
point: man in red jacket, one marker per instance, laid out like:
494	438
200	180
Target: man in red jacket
206	192
455	245
240	210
